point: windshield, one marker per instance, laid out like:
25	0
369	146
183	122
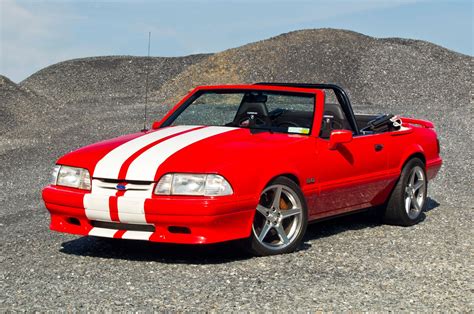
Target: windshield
275	111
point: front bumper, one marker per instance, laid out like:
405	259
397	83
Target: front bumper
186	220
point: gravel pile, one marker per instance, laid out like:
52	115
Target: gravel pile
101	79
87	99
23	113
349	263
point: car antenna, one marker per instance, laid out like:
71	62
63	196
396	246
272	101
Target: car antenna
146	84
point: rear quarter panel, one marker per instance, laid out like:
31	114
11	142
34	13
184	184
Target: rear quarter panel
414	140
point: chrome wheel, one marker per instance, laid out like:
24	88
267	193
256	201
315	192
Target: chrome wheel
278	220
415	192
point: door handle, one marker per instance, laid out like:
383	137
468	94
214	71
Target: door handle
378	147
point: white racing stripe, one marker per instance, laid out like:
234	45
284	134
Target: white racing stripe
145	166
102	232
130	235
131	207
109	165
137	235
97	205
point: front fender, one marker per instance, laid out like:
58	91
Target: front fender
251	179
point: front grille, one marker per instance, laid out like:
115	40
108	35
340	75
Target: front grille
107	185
122	226
116	181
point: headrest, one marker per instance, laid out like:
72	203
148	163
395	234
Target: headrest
252	104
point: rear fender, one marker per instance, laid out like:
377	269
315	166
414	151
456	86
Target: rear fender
410	152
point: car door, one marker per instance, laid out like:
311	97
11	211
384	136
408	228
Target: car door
352	175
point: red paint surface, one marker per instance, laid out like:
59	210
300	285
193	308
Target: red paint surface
351	176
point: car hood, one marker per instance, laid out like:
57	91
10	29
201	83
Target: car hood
147	156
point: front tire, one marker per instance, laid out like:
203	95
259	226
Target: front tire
408	198
281	219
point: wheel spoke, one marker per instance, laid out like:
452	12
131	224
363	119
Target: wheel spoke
262	210
290	213
282	234
418	185
407	203
263	233
276	197
412	179
415	203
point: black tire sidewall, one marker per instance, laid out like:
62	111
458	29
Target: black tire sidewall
396	212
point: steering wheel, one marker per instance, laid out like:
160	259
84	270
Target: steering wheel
276	113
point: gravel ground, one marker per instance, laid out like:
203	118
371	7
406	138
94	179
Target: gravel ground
349	263
345	264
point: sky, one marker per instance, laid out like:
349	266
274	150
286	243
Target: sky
38	33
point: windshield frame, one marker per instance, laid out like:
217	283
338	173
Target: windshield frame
197	92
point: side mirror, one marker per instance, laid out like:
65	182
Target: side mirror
339	137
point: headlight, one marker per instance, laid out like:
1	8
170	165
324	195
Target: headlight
73	177
55	174
193	184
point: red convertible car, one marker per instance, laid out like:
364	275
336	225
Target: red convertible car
251	162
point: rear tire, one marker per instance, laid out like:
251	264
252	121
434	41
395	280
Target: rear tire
408	198
280	221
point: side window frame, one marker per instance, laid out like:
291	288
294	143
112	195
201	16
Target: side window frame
337	102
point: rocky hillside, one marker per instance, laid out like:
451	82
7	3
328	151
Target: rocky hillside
94	98
374	71
104	78
21	109
89	99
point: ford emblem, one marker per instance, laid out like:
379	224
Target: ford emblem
121	187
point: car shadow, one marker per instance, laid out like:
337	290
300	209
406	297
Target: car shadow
357	221
158	252
214	253
431	204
